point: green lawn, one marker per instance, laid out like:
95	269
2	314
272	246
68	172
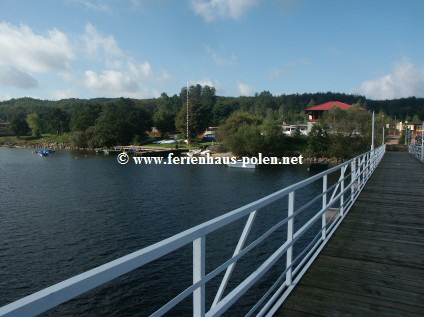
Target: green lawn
30	140
66	139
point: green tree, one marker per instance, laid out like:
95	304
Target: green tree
84	116
18	125
119	123
415	119
244	141
350	132
200	105
240	132
164	121
164	117
34	123
318	141
273	140
222	110
264	101
236	120
245	134
57	121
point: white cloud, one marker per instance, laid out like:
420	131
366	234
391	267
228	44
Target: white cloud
142	69
111	81
146	69
25	52
122	75
406	80
13	77
211	10
99	5
5	97
96	43
245	90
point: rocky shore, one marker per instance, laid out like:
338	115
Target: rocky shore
47	145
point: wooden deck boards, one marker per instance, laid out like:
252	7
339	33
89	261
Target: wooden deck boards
374	263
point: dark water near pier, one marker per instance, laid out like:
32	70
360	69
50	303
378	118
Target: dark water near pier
67	213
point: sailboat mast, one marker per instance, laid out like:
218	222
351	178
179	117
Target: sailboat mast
187	135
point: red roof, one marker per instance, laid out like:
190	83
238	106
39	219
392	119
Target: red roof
329	105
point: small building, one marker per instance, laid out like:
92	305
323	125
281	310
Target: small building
209	135
315	113
154	132
4	128
414	129
292	129
211	130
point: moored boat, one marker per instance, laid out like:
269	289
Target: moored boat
43	152
240	164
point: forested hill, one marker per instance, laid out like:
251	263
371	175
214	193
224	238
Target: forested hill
288	106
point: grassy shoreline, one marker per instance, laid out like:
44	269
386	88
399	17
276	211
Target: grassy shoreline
46	140
64	142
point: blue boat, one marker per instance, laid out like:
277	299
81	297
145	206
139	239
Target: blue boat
43	152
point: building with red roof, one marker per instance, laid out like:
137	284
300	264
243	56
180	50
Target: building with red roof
316	112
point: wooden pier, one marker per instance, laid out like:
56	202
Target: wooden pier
143	150
374	263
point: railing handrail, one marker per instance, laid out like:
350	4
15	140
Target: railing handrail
79	284
417	151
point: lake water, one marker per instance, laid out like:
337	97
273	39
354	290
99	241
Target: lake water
72	211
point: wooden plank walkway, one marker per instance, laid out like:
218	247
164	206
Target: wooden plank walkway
374	263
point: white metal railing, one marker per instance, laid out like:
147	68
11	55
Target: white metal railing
417	151
336	202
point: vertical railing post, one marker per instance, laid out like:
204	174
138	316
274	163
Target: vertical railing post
199	274
374	155
352	179
290	225
368	165
371	164
342	174
422	142
365	169
324	206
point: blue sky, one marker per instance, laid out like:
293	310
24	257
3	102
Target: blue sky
54	49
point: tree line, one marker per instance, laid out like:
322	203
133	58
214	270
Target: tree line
110	121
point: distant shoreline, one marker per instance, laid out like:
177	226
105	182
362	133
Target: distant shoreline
54	146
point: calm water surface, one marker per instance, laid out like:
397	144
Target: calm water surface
67	213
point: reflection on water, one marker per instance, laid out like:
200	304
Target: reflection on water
71	211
